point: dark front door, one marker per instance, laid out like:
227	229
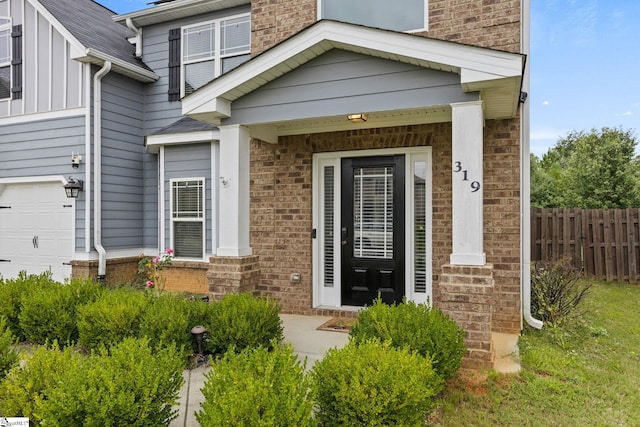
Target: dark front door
372	229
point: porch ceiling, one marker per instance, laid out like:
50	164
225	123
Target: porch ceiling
495	75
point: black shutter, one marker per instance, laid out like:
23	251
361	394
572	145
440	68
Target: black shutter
174	64
16	61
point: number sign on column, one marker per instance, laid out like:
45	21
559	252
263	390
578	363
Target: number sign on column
457	168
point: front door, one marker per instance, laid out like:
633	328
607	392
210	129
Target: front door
372	229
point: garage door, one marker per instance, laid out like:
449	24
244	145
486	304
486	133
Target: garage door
35	229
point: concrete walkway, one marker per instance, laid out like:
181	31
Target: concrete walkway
299	331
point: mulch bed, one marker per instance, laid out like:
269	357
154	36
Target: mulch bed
337	324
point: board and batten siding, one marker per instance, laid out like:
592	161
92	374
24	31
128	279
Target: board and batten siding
188	161
160	112
340	82
52	81
43	148
123	204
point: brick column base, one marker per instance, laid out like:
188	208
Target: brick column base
466	297
233	274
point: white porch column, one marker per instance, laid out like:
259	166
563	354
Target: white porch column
234	192
467	124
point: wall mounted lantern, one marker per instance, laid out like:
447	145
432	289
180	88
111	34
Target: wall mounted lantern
73	187
358	118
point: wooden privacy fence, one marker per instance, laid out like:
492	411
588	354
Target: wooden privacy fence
603	242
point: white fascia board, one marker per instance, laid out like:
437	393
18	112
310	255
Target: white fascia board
176	10
476	63
123	67
153	142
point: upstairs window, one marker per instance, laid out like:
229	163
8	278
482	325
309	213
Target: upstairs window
212	48
409	15
5	58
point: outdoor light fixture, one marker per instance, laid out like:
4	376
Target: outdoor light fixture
198	333
73	187
358	118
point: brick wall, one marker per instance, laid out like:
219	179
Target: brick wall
185	276
486	23
281	208
502	219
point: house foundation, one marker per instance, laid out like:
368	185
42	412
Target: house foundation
232	275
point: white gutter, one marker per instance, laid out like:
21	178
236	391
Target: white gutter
525	178
137	39
97	161
87	155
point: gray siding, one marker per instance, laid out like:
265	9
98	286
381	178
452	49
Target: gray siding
341	82
159	111
188	161
122	163
44	148
52	80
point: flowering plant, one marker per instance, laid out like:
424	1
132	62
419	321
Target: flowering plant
151	268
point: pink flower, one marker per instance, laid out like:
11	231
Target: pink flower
149	284
169	251
155	260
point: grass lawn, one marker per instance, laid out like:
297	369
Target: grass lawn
585	373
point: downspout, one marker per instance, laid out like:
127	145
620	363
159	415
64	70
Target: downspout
137	38
97	168
525	178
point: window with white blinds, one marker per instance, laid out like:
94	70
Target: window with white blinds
212	48
411	16
419	227
187	216
373	212
328	226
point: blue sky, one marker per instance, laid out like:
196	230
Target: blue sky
585	66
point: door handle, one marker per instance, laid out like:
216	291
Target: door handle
35	242
344	233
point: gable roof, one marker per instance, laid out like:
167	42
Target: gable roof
496	74
94	36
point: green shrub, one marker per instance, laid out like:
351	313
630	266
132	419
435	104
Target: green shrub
419	327
8	355
166	322
556	291
374	384
50	313
242	321
26	387
14	291
131	384
257	387
114	316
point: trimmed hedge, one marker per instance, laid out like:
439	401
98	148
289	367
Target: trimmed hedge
14	291
419	327
130	384
113	317
257	387
8	355
50	313
374	384
240	321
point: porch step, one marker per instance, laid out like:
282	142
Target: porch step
506	356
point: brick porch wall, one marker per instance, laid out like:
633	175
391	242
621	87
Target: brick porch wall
118	271
281	209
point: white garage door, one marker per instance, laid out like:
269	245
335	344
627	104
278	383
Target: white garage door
35	229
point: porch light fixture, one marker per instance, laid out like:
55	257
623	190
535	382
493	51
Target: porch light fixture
358	117
73	187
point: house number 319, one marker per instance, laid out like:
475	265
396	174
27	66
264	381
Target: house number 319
457	168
